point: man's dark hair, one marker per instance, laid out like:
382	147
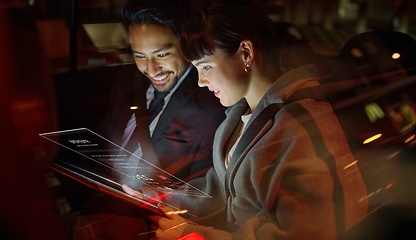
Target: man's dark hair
169	13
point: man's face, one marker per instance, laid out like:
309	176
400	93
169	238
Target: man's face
157	54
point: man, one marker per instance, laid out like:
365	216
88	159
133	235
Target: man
181	133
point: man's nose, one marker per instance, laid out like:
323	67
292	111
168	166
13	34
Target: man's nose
152	67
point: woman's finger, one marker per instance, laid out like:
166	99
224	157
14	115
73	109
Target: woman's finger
132	192
170	212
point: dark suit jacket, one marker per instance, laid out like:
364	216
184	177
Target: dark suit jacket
184	135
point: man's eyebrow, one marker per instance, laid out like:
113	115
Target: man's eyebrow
164	48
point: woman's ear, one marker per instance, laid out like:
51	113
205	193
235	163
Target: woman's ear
247	50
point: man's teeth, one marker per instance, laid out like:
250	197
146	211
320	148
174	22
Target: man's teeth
161	77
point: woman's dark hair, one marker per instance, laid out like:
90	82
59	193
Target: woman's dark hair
169	13
223	25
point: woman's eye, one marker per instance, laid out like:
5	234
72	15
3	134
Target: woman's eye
206	68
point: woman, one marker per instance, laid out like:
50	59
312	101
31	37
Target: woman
284	183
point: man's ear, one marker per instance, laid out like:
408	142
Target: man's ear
247	50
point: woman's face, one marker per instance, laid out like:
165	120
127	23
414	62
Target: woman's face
223	75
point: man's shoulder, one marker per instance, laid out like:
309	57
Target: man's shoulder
206	99
198	104
200	95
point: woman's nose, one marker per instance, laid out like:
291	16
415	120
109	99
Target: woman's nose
202	80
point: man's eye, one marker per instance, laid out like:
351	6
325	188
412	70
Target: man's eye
161	55
139	56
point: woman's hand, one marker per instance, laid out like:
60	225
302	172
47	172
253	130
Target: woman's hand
170	227
132	192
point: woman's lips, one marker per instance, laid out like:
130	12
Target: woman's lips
216	93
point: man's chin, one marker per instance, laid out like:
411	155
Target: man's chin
164	87
161	88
